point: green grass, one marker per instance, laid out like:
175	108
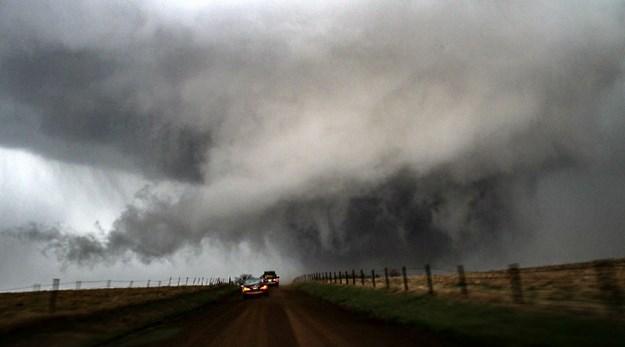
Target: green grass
474	323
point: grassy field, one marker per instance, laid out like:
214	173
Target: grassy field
89	317
20	308
596	287
474	323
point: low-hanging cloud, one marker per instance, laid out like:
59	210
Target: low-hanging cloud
355	133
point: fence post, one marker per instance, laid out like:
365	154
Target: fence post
373	278
515	283
159	283
334	277
186	283
388	285
130	285
78	284
353	277
403	273
148	286
428	275
362	277
462	281
108	284
53	294
178	281
610	292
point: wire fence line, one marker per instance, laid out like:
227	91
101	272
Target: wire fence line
597	286
176	281
71	296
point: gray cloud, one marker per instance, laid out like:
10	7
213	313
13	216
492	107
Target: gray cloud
117	107
413	132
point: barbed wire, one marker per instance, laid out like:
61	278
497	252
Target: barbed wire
185	281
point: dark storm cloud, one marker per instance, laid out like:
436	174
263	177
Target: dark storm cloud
85	104
410	132
146	232
65	247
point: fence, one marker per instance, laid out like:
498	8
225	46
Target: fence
112	284
47	298
596	286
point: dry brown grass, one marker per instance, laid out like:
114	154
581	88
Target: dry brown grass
592	287
20	308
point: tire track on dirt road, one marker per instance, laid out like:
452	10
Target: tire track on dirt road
285	318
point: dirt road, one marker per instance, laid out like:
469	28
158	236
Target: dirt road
286	318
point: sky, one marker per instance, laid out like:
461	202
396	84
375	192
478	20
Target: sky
152	139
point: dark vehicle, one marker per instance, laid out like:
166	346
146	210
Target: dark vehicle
271	278
254	287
